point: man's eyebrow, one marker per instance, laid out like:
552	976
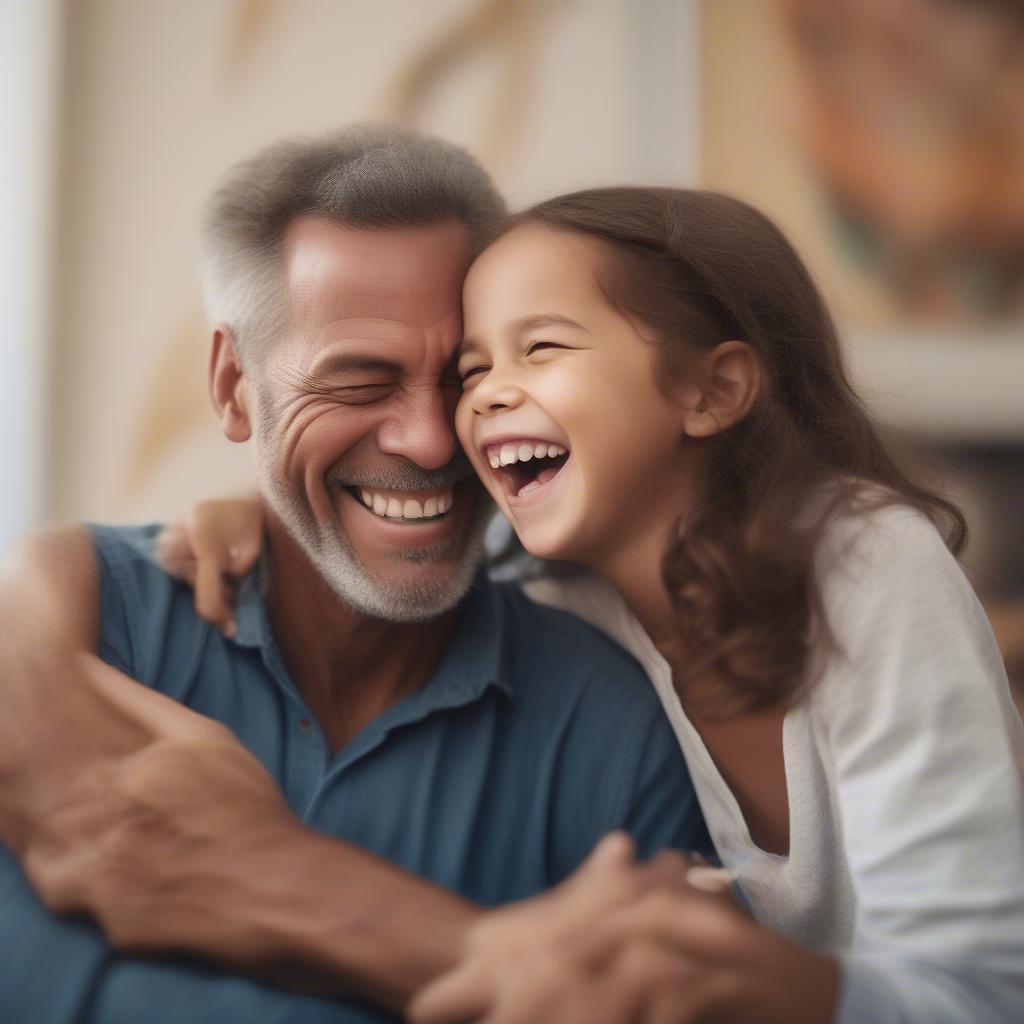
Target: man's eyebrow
527	323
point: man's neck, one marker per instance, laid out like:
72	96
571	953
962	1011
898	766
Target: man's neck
349	668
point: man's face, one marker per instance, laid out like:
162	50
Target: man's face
353	418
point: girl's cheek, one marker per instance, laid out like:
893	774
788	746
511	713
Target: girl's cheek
464	423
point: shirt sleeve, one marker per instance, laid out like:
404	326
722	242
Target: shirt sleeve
120	600
168	992
656	801
49	965
147	627
927	757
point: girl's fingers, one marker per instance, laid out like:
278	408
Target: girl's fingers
716	881
615	852
174	553
228	531
707	928
244	552
463	994
214	599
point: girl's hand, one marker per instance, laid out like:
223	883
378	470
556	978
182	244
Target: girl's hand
616	945
216	544
516	956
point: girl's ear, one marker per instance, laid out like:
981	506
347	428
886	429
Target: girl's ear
728	384
227	386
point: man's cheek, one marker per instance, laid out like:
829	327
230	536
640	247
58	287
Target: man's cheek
323	435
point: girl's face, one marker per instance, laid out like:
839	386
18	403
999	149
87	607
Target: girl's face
560	413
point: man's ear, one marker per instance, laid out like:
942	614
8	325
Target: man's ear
227	385
729	382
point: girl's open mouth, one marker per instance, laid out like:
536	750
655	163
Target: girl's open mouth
526	465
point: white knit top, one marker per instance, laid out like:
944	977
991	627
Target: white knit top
904	768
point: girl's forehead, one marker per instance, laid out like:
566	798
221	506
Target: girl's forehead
535	263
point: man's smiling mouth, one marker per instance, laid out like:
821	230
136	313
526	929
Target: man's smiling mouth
399	506
525	465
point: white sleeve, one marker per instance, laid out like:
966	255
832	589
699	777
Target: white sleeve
926	749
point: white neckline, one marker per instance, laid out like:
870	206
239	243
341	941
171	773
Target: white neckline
660	673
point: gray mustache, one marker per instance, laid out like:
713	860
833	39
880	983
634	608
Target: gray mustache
403	475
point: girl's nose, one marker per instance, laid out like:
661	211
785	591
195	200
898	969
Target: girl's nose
495	393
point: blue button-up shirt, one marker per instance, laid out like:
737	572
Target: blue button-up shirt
534	736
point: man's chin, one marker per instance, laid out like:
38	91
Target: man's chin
393	571
411	590
402	583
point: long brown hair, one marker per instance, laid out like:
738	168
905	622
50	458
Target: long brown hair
692	269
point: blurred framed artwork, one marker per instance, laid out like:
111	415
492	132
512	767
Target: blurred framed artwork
888	141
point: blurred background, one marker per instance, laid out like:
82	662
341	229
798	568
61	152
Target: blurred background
886	137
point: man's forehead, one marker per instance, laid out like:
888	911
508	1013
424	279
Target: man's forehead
347	341
376	272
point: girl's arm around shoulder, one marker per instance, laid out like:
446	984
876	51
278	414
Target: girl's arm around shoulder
925	755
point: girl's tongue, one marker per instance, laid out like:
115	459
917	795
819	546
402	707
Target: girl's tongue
546	474
525	477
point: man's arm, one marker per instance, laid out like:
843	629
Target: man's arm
58	971
124	804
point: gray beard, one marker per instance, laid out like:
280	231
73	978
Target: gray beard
422	596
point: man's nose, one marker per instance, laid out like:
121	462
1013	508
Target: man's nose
421	429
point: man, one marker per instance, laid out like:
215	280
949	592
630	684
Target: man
390	697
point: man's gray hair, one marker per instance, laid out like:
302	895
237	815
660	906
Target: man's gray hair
364	175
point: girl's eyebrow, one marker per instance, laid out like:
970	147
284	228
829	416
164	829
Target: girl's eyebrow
527	323
531	323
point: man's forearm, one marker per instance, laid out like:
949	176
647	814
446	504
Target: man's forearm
324	916
124	804
156	821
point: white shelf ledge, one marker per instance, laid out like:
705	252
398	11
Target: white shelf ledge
944	386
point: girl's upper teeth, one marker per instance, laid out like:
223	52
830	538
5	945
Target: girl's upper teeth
522	451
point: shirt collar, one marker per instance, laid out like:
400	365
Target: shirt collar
475	658
477	654
251	618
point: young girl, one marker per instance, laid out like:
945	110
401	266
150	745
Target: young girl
653	389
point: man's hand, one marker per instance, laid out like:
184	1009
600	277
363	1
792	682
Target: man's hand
621	943
138	812
149	842
537	957
156	820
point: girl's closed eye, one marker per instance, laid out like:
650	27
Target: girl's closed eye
546	349
468	372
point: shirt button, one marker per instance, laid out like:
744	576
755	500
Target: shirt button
304	724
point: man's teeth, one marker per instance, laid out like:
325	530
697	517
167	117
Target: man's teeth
389	507
510	453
